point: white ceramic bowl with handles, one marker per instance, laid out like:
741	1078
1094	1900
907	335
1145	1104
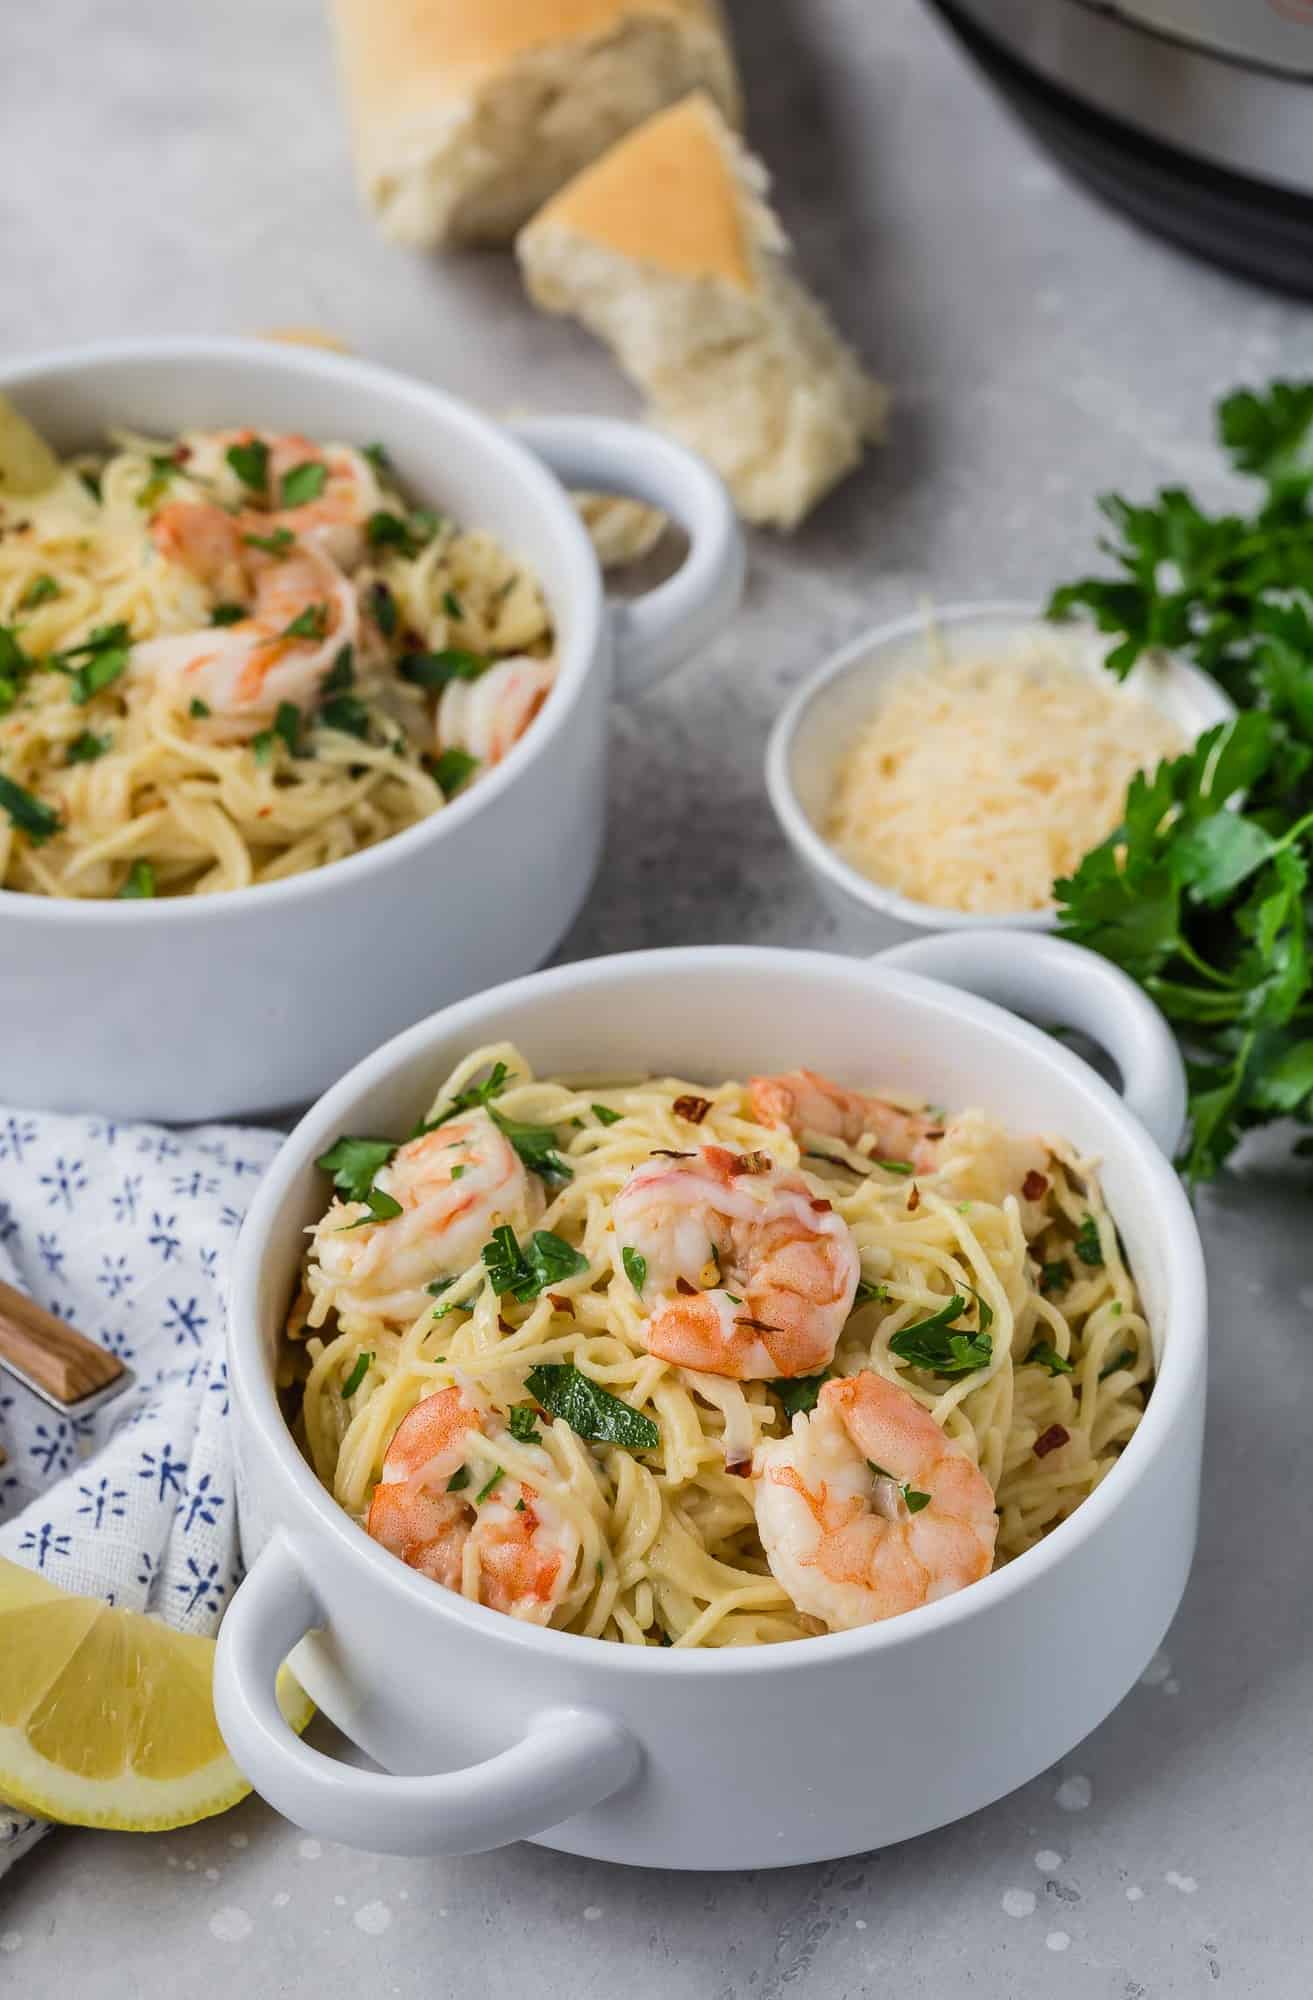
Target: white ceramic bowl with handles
815	730
489	1730
206	1007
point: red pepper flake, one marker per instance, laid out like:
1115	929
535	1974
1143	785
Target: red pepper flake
1052	1439
664	1153
1034	1185
694	1109
180	454
821	1207
751	1163
741	1468
562	1303
505	1325
937	1134
689	1291
913	1198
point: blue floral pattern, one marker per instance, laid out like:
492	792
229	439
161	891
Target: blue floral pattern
128	1233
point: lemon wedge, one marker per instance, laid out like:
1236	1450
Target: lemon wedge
106	1716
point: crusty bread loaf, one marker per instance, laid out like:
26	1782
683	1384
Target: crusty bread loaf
666	248
468	114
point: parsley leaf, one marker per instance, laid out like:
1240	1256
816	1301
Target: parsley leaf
385	530
1048	1357
635	1268
96	662
377	454
29	814
798	1393
353	1381
198	709
382	1208
341	675
1055	1277
933	1345
308	624
590	1410
459	1480
544	1261
86	747
452	605
228	614
276	544
522	1421
250	461
435	670
41	589
1122	1360
384	607
140	885
1088	1247
604	1115
453	769
353	1163
303	483
868	1293
347	713
497	1477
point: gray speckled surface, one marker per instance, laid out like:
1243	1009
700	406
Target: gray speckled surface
179	167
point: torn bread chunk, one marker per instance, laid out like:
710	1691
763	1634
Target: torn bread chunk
468	114
667	250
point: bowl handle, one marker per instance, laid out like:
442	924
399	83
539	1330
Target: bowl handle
656	632
1048	979
567	1759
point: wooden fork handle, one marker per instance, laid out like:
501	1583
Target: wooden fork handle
51	1353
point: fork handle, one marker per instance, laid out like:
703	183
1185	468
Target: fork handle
50	1354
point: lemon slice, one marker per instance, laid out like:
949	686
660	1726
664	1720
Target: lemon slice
27	464
106	1716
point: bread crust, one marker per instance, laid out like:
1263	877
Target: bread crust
668	196
422	51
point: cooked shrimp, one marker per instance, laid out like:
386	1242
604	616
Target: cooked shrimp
488	716
806	1102
984	1161
337	513
455	1185
497	1538
867	1509
303	612
745	1272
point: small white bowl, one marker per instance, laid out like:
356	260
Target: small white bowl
817	727
213	1006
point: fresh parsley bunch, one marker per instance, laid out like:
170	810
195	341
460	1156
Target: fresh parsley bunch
1202	893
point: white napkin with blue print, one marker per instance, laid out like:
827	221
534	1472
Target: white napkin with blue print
126	1232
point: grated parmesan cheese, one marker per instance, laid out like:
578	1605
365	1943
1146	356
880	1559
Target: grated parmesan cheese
976	785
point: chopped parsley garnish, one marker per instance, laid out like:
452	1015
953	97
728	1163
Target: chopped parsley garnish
912	1500
15	665
868	1293
931	1343
30	815
522	1420
382	1208
311	623
1055	1277
452	605
342	673
228	614
140	884
497	1476
798	1393
86	747
903	1167
377	454
303	483
198	709
1088	1247
357	1376
39	591
276	544
386	530
476	1097
1123	1360
91	480
459	1480
437	1286
250	462
384	607
604	1115
348	713
162	470
353	1163
635	1268
436	670
453	769
287	724
589	1409
1048	1357
544	1261
535	1144
93	665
